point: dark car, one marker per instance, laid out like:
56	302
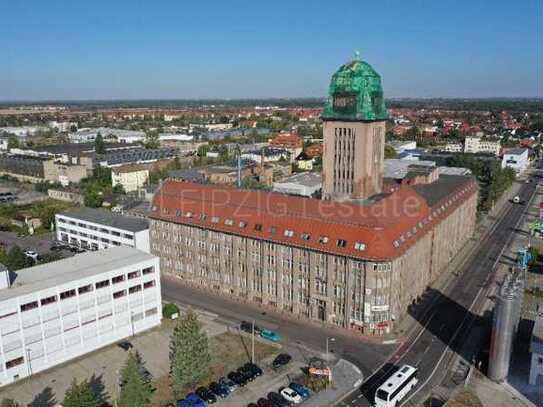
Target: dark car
252	405
278	399
249	374
57	247
281	360
253	367
219	389
248	327
125	345
205	394
262	402
237	378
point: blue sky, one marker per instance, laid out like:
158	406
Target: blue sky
232	49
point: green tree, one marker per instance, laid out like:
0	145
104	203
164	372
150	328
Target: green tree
9	403
135	391
99	146
203	150
80	395
152	140
389	151
189	354
13	141
16	259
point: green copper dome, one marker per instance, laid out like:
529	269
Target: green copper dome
355	94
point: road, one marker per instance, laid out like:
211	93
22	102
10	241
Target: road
444	326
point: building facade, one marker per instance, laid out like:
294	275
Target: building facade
130	177
96	229
356	259
516	158
58	311
479	144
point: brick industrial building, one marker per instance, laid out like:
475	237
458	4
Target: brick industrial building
355	259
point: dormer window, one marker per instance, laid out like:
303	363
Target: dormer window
323	239
359	246
228	222
215	219
242	224
289	233
258	227
341	243
306	236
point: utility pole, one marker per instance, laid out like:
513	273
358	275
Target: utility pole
253	344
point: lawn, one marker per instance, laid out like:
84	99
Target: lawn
229	351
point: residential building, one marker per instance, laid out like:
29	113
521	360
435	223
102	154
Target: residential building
304	184
516	158
479	144
453	148
55	312
356	260
290	142
135	156
97	229
131	177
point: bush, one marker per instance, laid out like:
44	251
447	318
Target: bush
170	310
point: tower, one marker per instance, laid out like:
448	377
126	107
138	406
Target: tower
354	117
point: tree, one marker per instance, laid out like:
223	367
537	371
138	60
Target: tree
389	152
135	390
152	140
189	354
99	146
13	141
9	403
16	259
80	395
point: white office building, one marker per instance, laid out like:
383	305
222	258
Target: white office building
58	311
96	229
516	158
479	144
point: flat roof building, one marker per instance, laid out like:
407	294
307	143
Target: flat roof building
304	184
95	229
58	311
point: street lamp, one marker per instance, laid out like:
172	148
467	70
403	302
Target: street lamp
328	340
327	363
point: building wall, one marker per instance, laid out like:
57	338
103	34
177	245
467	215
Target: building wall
47	334
89	235
131	181
353	159
350	293
66	196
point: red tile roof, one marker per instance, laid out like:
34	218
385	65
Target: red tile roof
286	141
385	228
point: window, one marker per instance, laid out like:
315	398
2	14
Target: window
323	239
134	289
203	216
28	306
148	270
67	294
215	219
306	236
540	360
289	233
14	362
102	284
133	274
48	300
359	246
242	224
119	294
128	236
149	284
85	289
258	227
396	243
188	215
117	279
178	212
273	230
341	243
228	222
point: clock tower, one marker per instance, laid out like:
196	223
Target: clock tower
354	118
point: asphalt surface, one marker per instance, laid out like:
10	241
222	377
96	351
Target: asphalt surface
444	326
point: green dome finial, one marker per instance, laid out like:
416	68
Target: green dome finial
355	94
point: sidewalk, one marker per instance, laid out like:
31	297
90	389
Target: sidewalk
346	377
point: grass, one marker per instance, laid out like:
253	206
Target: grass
228	351
464	398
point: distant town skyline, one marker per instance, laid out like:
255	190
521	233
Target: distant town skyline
64	50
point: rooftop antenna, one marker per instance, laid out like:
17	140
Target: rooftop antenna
357	55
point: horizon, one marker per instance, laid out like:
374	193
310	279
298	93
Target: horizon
60	51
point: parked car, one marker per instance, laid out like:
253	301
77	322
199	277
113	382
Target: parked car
252	405
278	399
219	389
229	384
147	376
192	400
207	395
125	345
300	389
281	360
262	402
237	378
32	254
270	335
248	327
291	395
247	374
253	367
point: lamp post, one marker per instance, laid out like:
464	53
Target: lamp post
327	364
328	340
253	343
